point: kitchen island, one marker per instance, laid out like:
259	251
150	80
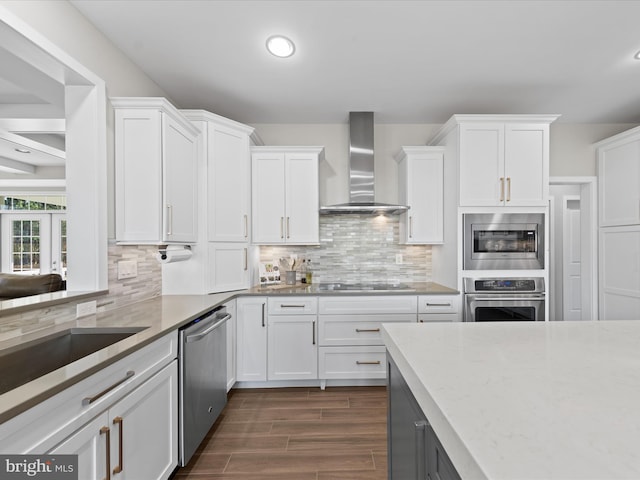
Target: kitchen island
536	400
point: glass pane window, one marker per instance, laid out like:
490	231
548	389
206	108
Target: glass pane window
26	258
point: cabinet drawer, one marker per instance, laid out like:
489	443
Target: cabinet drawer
292	305
368	304
355	329
439	304
352	362
437	317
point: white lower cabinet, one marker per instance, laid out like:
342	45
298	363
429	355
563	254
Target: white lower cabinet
292	347
135	438
350	343
251	354
439	308
122	419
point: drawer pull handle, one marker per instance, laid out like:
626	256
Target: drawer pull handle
360	330
438	304
90	400
120	422
282	305
359	362
107	432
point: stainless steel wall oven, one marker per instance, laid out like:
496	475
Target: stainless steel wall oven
503	299
504	241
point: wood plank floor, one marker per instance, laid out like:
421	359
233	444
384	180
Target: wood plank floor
296	433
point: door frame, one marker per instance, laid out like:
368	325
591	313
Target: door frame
589	227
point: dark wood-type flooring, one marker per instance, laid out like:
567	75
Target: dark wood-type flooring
296	433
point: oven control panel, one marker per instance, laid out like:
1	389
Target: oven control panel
474	285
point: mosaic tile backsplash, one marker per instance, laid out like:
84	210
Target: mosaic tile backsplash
359	248
147	284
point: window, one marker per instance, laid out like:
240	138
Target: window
33	235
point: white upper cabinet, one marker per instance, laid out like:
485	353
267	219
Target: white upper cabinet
503	159
229	183
156	172
619	179
420	186
285	195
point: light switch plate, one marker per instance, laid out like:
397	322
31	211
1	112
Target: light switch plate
127	269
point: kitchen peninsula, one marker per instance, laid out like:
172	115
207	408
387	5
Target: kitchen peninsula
552	400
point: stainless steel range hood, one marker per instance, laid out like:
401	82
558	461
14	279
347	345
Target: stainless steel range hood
361	172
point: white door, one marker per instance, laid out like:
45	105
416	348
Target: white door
26	243
228	185
179	178
59	244
292	347
302	198
526	166
268	194
91	443
251	330
482	180
571	259
148	421
228	267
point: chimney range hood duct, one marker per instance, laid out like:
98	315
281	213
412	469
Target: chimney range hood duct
361	174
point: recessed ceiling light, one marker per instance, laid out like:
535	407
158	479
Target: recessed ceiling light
22	150
280	46
637	55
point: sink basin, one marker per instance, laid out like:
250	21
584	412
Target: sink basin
29	361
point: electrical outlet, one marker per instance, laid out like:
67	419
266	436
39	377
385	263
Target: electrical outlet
86	308
127	269
398	259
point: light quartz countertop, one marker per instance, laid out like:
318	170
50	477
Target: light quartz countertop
159	316
528	400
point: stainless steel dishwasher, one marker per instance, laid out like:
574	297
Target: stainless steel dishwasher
203	378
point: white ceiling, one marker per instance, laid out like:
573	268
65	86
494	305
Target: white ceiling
408	61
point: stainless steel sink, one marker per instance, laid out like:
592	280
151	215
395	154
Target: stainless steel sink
34	359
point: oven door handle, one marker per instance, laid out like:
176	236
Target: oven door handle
508	299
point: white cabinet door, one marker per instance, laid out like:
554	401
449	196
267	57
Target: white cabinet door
144	439
251	354
92	445
619	181
268	198
228	267
228	184
292	347
421	187
620	273
180	171
526	164
302	198
138	153
482	180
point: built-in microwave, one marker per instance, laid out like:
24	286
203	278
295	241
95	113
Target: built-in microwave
503	241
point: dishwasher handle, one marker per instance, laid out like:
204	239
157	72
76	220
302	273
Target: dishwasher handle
200	335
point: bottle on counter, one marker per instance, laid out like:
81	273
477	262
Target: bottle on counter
308	272
303	271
